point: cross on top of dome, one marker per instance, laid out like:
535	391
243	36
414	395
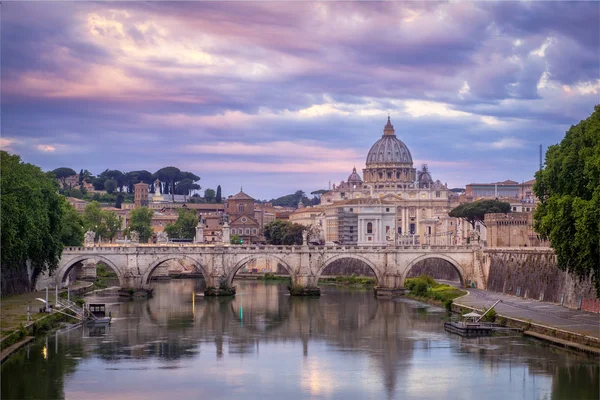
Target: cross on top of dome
389	128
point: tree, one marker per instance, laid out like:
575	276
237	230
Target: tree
235	239
112	223
110	185
93	219
119	200
185	186
569	191
169	175
71	233
105	223
280	232
209	195
63	173
290	200
218	197
473	212
185	226
140	221
31	220
319	192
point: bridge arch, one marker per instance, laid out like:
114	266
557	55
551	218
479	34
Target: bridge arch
369	263
457	266
64	270
148	274
239	264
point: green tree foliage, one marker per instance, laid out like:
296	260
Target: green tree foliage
569	192
71	233
169	175
63	173
280	232
140	221
473	212
113	224
110	185
290	200
119	200
105	223
236	239
185	226
186	186
219	196
31	216
210	195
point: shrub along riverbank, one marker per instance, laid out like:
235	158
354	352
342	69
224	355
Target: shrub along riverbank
352	280
425	288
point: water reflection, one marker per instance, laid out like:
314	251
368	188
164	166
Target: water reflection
265	343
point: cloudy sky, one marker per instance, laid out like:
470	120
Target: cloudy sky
280	96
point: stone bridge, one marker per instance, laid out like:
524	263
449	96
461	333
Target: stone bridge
135	264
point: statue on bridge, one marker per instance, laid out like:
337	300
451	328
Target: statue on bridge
162	237
304	237
90	236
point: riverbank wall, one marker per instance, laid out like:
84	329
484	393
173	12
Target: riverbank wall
533	273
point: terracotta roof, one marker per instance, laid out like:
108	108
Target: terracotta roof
241	196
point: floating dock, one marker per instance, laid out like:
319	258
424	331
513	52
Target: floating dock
468	329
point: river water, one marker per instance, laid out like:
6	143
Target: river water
264	344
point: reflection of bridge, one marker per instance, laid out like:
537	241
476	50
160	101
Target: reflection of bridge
135	264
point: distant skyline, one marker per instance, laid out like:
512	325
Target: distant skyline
281	96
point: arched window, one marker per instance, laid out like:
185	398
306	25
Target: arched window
370	227
254	231
240	208
247	231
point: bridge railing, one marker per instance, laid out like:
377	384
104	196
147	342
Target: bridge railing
122	248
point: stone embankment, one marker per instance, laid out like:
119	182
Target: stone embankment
532	273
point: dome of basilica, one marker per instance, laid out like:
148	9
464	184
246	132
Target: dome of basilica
354	178
389	149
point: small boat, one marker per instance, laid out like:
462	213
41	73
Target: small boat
97	315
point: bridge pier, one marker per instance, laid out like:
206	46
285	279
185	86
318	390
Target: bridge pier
305	285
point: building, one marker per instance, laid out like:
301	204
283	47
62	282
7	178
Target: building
511	230
389	176
307	216
140	195
506	190
242	219
78	204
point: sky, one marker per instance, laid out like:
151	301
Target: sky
281	96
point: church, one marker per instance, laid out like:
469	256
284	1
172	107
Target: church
389	182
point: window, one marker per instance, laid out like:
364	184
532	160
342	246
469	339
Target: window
370	227
514	208
351	209
369	238
247	231
412	229
437	194
429	230
240	208
254	231
389	174
387	209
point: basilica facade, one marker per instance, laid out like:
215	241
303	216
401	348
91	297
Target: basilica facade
390	179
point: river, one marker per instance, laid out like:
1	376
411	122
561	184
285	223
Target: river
264	344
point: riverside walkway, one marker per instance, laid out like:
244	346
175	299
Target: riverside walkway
538	312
